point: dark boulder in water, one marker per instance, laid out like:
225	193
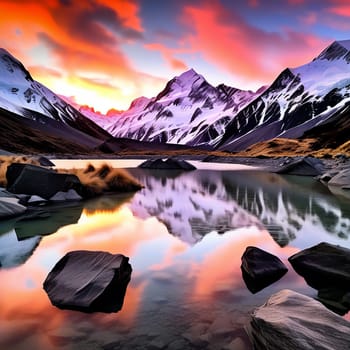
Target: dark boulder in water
292	321
326	267
260	269
89	281
169	163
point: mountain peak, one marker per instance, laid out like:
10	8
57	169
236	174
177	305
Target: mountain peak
188	77
337	50
12	65
344	43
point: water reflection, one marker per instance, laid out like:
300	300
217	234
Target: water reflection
184	236
20	236
289	207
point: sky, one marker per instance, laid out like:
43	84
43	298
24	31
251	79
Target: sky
105	53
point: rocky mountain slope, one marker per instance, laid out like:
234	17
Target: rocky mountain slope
191	111
21	94
297	101
188	111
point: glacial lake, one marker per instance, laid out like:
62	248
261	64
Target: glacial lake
184	233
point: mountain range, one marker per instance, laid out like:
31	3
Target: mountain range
301	102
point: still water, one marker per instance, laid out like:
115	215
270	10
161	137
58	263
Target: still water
185	234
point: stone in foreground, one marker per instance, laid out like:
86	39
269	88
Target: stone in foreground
323	264
169	163
89	281
326	267
292	321
260	269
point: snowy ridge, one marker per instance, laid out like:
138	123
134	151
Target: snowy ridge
21	94
188	111
299	99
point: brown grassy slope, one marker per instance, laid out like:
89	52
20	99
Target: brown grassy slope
280	147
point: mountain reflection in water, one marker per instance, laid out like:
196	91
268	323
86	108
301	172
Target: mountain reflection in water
185	234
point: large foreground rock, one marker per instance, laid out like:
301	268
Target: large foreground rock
169	163
35	180
323	264
292	321
260	269
326	267
89	281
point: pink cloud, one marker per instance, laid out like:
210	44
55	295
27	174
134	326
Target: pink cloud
341	10
168	55
224	39
309	19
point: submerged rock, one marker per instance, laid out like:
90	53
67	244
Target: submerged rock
35	180
169	163
260	269
326	267
292	321
89	281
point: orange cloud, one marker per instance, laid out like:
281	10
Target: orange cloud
82	41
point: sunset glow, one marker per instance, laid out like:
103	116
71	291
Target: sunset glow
105	54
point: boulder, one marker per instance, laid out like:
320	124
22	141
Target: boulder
326	267
292	321
43	161
35	180
305	166
169	163
342	178
70	195
323	264
89	281
260	269
10	207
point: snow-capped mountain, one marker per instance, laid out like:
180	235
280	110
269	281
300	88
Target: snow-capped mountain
22	95
298	100
188	111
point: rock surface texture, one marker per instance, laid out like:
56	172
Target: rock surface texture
292	321
89	281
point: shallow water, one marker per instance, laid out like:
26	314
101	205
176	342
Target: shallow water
184	234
